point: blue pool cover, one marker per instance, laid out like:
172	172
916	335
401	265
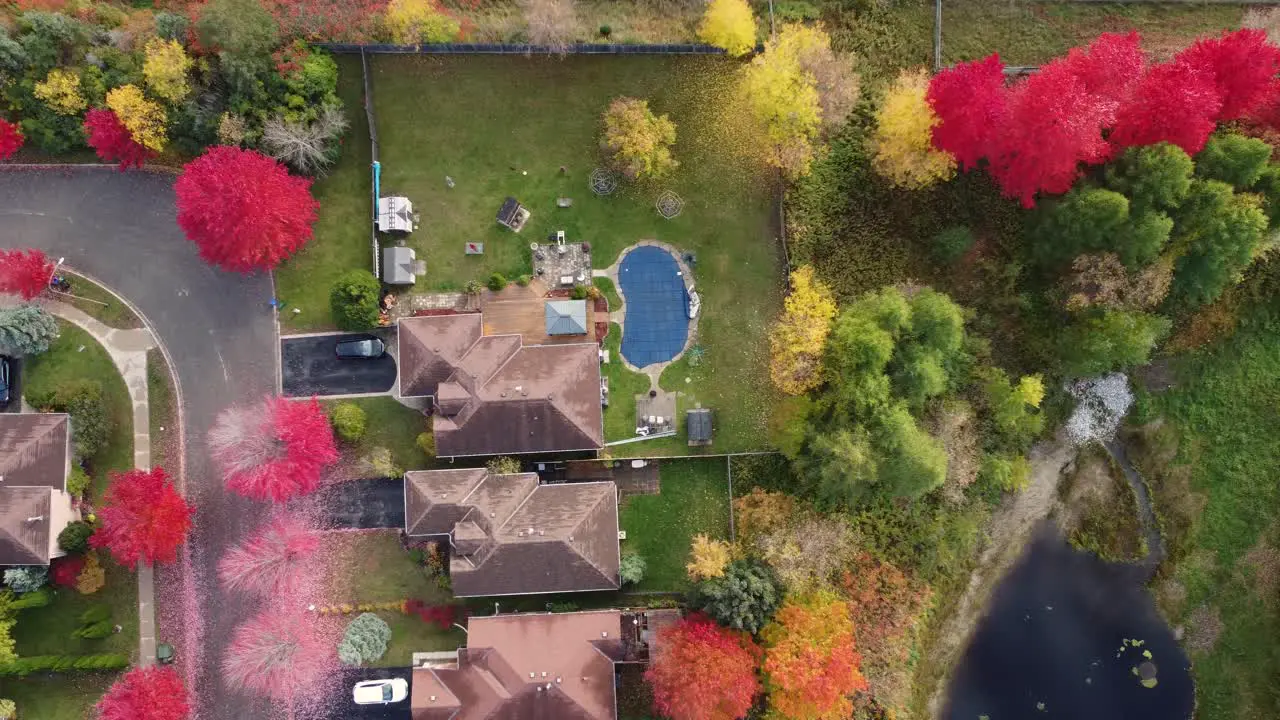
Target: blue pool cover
653	294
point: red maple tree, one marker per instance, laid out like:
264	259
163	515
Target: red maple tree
243	210
144	518
811	665
970	101
112	141
24	273
275	450
277	654
1109	68
1175	102
63	571
270	562
1052	125
10	139
1240	64
702	671
151	693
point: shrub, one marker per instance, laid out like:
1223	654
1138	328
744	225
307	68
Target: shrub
34	599
365	640
26	330
744	597
77	481
94	630
349	421
605	31
579	292
729	24
172	26
707	558
631	569
24	666
952	243
93	577
503	465
96	613
74	538
497	281
354	300
473	287
8	709
420	21
426	442
523	280
1011	474
29	578
82	400
63	571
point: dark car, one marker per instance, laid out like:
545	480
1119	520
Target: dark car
363	347
6	380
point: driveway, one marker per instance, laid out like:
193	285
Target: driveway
121	229
309	367
364	504
346	709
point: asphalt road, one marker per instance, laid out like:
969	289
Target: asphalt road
121	230
309	367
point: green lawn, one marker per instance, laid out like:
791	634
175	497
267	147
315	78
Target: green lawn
76	355
386	573
165	432
605	285
391	425
624	385
487	121
61	697
47	630
98	303
694	499
1224	542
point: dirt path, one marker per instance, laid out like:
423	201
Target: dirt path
1010	530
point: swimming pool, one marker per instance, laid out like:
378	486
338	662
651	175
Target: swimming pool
655	324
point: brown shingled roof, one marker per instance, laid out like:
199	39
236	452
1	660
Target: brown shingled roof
525	667
495	395
34	450
24	525
513	536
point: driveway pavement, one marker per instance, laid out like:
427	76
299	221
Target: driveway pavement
364	504
309	367
120	229
346	709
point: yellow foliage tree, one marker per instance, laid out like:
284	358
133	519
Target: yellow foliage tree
144	118
1031	390
166	69
729	24
797	88
800	335
638	142
92	576
903	141
61	92
420	21
707	558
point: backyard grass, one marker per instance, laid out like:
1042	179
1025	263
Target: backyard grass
75	355
393	426
165	432
97	302
624	385
381	571
694	498
1222	526
60	697
605	286
47	630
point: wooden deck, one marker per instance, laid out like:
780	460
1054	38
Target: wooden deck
521	311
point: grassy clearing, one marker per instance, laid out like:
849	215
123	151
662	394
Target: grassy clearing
1103	510
381	571
624	385
98	303
694	499
75	355
162	400
605	285
57	697
1217	501
47	630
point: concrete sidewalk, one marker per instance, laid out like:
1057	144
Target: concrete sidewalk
128	350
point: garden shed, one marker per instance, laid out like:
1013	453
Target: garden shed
399	265
697	423
395	215
512	214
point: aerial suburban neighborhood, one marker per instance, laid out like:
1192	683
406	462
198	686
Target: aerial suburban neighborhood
639	360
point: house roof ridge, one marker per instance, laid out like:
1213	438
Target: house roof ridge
603	497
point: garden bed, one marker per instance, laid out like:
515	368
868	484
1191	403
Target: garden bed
694	498
389	425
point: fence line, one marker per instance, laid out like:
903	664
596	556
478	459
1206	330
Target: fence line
505	49
375	167
728	464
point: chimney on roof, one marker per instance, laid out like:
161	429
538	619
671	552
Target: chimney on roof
604	633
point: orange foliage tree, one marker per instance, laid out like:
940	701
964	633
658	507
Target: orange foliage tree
886	606
702	671
811	665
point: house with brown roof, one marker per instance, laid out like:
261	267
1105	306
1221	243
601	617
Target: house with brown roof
528	666
497	395
35	458
511	535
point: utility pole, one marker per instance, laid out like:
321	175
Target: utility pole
937	35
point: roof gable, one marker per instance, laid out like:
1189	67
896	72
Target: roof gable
25	524
34	450
430	349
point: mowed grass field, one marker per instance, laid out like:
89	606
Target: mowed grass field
530	128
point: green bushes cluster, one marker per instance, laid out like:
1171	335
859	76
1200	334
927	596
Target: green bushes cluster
74	538
631	568
348	421
25	666
354	300
83	401
365	640
497	282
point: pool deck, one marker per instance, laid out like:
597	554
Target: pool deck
520	311
653	371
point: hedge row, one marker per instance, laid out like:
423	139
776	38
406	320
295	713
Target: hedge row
64	663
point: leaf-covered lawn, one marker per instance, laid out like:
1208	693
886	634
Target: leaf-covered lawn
694	499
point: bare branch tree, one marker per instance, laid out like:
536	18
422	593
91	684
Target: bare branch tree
553	23
307	148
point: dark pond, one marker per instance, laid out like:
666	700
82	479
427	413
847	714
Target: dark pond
1053	645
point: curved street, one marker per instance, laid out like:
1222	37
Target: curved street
120	229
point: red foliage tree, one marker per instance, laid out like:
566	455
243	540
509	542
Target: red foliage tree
24	273
243	210
884	605
811	665
702	671
152	693
1053	124
327	20
274	451
1240	64
277	654
1175	102
1109	68
970	101
112	141
64	570
270	562
10	139
144	518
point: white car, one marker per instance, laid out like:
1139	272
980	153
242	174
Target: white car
380	692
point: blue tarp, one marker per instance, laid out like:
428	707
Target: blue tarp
653	294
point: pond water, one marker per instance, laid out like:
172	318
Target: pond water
1059	642
656	322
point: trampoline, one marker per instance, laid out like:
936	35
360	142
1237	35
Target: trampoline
656	324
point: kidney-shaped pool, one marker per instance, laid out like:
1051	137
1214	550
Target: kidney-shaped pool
656	323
